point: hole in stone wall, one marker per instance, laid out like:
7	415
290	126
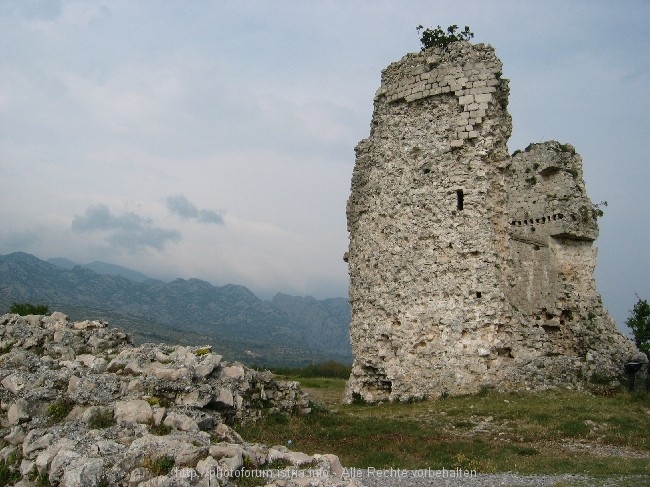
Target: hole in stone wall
505	352
478	294
550	328
459	199
380	381
566	314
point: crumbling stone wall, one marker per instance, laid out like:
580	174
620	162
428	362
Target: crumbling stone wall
468	267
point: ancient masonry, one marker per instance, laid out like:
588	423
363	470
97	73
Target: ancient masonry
469	268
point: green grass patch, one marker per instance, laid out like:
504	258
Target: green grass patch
10	469
329	369
529	433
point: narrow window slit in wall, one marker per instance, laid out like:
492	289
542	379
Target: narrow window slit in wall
459	199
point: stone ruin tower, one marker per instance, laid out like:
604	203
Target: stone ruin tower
469	268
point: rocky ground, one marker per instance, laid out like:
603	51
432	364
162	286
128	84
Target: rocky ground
82	407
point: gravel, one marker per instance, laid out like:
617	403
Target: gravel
453	478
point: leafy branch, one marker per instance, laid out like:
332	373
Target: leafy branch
439	38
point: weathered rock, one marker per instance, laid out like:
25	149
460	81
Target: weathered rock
14	383
16	436
233	371
469	268
84	412
180	422
18	412
183	452
136	411
83	472
36	439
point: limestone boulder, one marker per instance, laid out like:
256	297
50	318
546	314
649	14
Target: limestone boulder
135	411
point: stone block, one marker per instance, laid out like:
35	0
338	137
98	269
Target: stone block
18	412
135	411
180	422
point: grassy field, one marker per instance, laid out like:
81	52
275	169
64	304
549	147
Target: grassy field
529	433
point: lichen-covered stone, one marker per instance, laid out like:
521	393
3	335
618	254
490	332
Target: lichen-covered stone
469	268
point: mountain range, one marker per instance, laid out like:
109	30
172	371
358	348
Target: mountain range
283	331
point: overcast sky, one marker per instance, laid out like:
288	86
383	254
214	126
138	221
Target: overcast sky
214	139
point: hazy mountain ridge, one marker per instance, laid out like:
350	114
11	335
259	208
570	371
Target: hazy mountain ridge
101	268
284	330
324	316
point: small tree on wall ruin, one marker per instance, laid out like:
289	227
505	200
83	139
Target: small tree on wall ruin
439	38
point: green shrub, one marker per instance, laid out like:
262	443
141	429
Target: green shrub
439	38
202	351
159	429
8	475
639	323
24	309
9	470
43	480
101	418
161	465
163	402
59	409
